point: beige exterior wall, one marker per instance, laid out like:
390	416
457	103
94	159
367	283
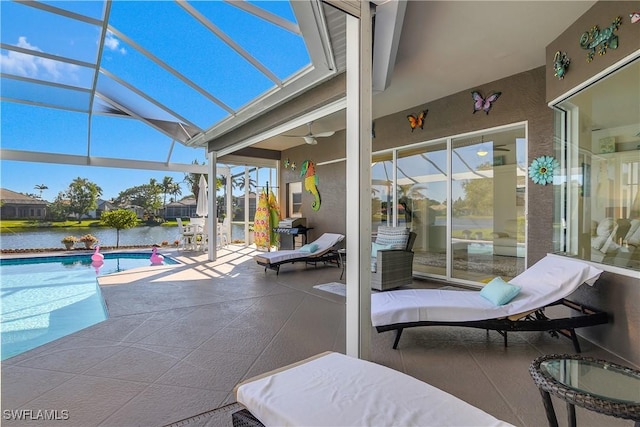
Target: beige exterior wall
522	100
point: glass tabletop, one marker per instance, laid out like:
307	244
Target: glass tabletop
595	377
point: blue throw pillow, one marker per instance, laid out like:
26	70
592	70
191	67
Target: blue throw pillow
310	248
375	247
499	292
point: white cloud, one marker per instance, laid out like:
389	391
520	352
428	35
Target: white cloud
111	42
26	65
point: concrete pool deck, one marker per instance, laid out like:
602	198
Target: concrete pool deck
179	338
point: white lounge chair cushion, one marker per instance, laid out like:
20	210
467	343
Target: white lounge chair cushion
324	242
549	280
338	390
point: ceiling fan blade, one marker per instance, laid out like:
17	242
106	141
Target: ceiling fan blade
323	134
500	149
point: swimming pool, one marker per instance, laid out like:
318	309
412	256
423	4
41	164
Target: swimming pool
45	298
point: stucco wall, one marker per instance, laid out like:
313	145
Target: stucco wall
522	100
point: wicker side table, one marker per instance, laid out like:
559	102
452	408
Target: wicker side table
244	418
594	384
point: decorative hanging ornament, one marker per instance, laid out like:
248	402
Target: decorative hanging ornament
635	17
541	170
293	166
560	64
286	163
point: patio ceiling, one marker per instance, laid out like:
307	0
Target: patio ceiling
102	65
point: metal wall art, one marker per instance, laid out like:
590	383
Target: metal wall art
418	120
289	164
484	104
560	64
595	40
308	171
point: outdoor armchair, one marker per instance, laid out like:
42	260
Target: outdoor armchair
392	258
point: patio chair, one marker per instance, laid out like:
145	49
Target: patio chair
518	305
223	233
331	389
186	235
202	236
323	249
392	258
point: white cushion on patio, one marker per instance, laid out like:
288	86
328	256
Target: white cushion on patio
324	242
338	390
547	281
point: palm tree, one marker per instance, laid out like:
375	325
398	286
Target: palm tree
41	188
167	183
175	190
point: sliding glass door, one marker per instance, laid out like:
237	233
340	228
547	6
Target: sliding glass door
488	214
464	197
422	193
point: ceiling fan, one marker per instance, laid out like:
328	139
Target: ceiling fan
482	151
310	137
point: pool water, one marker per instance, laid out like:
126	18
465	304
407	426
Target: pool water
43	299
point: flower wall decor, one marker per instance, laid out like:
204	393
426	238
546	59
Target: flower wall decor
541	170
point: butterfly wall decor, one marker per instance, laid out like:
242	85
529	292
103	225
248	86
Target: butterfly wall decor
417	121
484	104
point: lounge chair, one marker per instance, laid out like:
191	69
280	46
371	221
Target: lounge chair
332	389
321	249
544	284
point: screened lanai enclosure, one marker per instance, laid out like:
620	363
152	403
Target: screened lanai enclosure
100	83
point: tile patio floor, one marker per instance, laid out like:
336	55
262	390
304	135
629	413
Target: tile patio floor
180	337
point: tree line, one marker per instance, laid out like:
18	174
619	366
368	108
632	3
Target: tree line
81	197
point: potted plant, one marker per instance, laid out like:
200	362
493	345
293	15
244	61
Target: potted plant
88	240
69	241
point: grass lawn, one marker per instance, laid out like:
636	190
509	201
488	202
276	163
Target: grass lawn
18	224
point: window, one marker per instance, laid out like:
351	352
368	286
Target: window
597	197
294	207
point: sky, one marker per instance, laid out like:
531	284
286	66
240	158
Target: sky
220	81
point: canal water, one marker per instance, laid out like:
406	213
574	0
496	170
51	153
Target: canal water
50	238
